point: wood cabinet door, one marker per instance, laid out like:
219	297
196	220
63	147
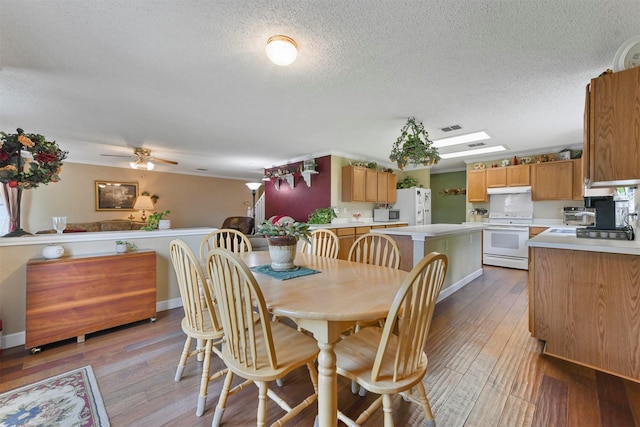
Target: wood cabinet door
552	180
614	152
391	188
578	183
496	177
382	187
371	185
518	175
346	237
476	186
353	184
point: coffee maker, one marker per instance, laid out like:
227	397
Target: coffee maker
605	209
606	226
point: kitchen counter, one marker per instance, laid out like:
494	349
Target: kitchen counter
351	223
462	243
433	230
563	237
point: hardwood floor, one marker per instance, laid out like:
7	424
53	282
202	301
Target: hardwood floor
485	370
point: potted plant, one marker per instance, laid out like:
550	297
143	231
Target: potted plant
413	146
124	246
155	219
322	216
283	239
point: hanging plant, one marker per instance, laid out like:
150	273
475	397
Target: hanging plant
413	146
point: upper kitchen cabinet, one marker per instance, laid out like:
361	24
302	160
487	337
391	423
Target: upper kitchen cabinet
518	175
612	129
496	177
578	183
353	183
360	184
386	187
476	186
552	180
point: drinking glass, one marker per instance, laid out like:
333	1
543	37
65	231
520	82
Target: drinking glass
59	223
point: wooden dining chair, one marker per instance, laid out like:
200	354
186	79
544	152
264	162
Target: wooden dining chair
392	360
255	348
227	238
200	320
376	249
323	242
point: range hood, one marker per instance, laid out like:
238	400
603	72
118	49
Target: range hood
509	190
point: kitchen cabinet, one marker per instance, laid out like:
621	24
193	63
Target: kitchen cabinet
578	182
73	296
371	185
533	231
612	119
360	184
476	186
496	177
518	175
586	308
348	235
552	180
386	187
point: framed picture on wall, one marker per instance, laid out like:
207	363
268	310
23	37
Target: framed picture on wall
112	196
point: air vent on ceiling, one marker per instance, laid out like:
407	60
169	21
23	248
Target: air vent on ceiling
476	144
450	128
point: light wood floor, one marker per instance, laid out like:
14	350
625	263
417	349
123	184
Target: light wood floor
484	370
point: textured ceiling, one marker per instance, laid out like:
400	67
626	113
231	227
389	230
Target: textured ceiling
190	79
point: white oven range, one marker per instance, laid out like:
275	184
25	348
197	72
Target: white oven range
504	240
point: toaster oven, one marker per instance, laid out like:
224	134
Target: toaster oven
575	215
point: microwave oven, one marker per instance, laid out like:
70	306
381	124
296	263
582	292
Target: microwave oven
386	215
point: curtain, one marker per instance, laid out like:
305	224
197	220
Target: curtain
10	197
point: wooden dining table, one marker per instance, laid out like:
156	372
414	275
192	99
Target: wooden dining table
326	304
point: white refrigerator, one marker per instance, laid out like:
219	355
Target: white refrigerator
414	205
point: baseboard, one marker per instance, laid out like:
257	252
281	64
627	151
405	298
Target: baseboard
459	284
18	339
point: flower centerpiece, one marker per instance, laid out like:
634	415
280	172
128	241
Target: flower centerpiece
283	238
26	161
413	146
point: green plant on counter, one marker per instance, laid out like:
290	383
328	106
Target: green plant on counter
408	182
154	220
322	216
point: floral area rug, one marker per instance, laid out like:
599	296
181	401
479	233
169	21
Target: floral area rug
66	400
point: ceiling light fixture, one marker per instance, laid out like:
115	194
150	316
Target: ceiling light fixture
474	152
282	50
461	139
142	164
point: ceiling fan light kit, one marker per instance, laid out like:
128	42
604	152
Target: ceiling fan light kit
143	159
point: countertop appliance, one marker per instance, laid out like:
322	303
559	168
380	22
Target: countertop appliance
414	204
574	215
386	215
610	219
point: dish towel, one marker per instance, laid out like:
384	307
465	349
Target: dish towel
283	275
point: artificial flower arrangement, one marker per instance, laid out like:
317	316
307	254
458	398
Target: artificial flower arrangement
28	160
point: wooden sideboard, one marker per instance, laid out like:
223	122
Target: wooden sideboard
73	296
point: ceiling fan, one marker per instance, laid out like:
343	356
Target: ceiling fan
143	159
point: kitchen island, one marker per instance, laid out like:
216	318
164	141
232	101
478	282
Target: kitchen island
462	243
585	300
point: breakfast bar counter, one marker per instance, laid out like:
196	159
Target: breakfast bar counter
462	243
565	238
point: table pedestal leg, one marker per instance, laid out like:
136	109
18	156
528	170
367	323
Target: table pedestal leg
327	386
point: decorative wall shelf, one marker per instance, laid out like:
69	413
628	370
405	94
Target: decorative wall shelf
306	175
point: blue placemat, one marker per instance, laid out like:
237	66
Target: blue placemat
283	275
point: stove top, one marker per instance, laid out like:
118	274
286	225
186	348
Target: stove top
625	233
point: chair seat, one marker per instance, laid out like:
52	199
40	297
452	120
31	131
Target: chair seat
305	348
209	332
356	354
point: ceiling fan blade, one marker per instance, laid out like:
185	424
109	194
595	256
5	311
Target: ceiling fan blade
155	159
